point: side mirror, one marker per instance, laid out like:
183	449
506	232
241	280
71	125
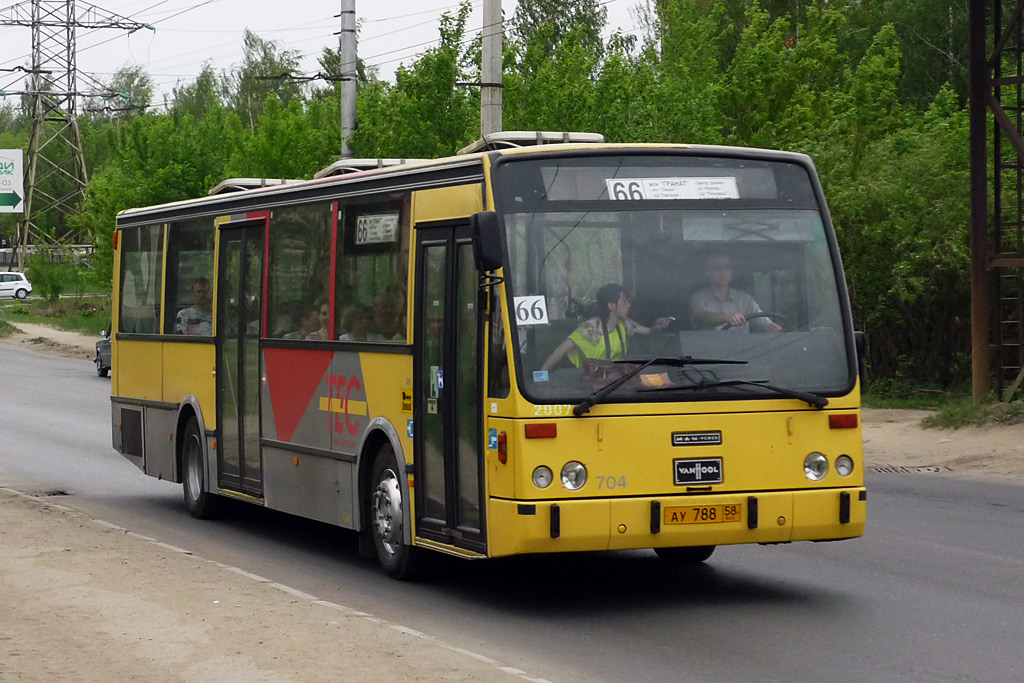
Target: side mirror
487	250
105	334
860	340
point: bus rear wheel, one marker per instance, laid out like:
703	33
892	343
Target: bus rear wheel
201	503
387	518
685	556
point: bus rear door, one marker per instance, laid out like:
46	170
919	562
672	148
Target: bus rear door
239	312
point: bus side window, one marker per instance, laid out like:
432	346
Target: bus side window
141	274
189	271
372	271
298	276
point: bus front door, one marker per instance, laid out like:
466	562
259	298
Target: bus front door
448	438
239	311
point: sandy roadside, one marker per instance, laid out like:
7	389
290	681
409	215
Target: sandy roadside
89	602
46	339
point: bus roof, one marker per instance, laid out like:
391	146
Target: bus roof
417	174
242	184
346	166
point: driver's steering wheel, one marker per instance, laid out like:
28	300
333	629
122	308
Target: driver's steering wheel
777	318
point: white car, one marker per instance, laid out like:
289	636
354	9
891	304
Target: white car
14	285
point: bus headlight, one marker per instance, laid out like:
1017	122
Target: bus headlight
815	466
844	465
542	477
574	475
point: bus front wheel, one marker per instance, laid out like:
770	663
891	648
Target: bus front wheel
201	503
387	517
685	556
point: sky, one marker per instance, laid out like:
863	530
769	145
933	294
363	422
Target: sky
188	33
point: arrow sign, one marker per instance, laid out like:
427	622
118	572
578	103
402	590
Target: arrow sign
12	188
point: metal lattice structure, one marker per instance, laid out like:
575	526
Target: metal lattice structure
55	171
996	35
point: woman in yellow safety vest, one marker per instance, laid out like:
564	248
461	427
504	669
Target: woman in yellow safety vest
606	335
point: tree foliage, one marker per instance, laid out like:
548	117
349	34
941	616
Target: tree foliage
873	91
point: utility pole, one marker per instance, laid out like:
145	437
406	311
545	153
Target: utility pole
490	71
55	174
349	75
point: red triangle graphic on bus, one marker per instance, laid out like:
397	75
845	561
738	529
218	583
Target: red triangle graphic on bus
293	376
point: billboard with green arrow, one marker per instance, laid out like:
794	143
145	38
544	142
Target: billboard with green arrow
12	177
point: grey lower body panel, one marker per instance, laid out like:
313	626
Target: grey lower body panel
144	435
314	486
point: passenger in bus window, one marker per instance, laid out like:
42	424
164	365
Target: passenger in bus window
606	335
317	326
719	306
197	319
389	317
357	321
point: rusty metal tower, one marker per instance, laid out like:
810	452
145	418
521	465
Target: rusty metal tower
996	46
55	172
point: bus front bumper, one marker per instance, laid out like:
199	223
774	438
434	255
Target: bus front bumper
517	527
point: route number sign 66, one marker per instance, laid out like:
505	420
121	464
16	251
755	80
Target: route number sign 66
530	310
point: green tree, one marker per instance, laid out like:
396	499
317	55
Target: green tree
266	68
542	24
129	93
425	113
199	96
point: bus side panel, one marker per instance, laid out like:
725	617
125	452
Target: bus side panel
313	486
190	370
446	203
160	460
388	389
501	477
140	370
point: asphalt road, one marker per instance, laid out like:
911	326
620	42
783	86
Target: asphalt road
934	591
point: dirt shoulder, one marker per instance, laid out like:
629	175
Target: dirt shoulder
91	602
894	440
47	339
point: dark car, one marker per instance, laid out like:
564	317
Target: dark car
102	359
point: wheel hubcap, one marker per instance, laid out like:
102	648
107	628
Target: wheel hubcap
194	474
387	511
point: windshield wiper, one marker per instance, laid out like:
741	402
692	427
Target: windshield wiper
682	361
812	400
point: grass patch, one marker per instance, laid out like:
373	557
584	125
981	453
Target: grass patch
964	412
896	393
87	315
7	329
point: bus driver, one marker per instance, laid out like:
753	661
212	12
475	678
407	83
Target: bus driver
197	319
719	306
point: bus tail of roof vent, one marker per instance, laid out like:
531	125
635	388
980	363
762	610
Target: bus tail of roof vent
346	166
528	138
242	184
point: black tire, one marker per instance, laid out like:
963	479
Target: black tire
100	370
21	293
385	514
686	556
201	503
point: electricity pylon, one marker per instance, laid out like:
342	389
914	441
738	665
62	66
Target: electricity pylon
55	172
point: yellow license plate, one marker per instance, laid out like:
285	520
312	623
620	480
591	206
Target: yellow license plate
703	514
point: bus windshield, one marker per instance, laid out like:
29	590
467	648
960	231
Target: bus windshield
615	260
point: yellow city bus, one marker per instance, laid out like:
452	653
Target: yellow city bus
428	354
